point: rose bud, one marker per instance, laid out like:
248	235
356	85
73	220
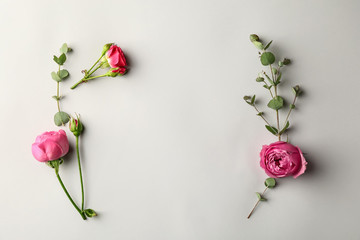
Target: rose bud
76	126
281	159
50	146
116	59
106	48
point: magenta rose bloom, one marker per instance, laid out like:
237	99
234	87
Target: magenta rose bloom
50	146
116	59
281	159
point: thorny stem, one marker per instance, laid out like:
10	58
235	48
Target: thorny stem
256	204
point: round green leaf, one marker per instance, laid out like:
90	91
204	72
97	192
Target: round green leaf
60	118
270	182
63	73
276	103
64	48
55	76
267	58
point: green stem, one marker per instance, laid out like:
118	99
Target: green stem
85	80
57	93
94	65
80	172
89	74
288	115
277	111
257	203
68	195
261	115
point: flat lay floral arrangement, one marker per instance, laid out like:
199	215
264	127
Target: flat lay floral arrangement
278	159
51	147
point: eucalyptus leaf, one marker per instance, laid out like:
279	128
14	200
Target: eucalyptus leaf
276	103
267	45
62	59
63	73
56	98
269	79
258	45
247	98
260	79
285	128
274	70
254	37
267	58
267	87
61	118
64	48
270	182
272	130
55	76
260	197
278	79
252	100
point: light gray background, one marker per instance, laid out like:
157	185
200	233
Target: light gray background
171	150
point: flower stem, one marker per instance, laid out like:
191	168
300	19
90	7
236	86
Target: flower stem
257	203
93	66
89	74
80	172
85	80
68	195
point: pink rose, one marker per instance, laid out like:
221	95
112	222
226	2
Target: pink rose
50	146
281	159
116	59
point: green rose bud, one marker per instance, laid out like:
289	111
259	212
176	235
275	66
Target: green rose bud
106	48
76	126
254	37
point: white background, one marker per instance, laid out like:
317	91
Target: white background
171	150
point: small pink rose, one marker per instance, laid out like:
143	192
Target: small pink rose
281	159
50	146
116	59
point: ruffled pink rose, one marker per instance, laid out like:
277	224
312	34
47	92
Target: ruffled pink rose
116	59
50	146
281	159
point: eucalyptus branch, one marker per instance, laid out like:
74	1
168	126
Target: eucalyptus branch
60	118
